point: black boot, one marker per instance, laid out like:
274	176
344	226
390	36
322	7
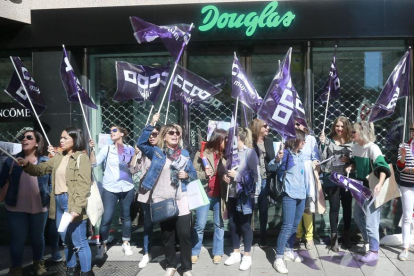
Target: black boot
346	244
71	271
89	273
334	243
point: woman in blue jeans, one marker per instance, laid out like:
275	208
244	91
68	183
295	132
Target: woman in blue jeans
293	198
27	201
210	177
117	186
71	185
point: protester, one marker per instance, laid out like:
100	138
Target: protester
310	152
27	202
241	201
337	145
209	175
117	185
170	171
142	164
366	158
71	184
293	198
265	152
405	166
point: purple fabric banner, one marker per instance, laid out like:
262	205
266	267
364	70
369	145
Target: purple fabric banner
174	37
190	88
278	107
231	151
243	88
300	115
139	82
397	86
332	85
16	90
359	192
72	84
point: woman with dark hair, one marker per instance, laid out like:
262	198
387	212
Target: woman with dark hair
293	198
27	202
207	172
71	185
170	171
117	186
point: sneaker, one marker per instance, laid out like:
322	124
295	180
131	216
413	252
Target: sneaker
280	266
56	256
144	261
188	273
403	256
263	242
194	259
292	256
235	257
100	253
309	244
16	271
370	257
127	249
170	271
363	249
217	259
39	268
246	263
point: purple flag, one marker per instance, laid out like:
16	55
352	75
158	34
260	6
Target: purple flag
231	151
278	107
359	192
300	115
397	86
190	88
174	37
332	85
243	88
16	90
72	84
139	82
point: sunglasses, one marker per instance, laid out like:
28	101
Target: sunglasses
113	130
154	134
172	132
353	132
411	129
28	137
297	124
265	126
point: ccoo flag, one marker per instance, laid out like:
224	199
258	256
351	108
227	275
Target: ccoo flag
174	37
300	115
72	84
243	88
332	85
278	107
397	86
139	82
15	89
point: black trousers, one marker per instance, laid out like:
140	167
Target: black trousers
180	226
337	195
239	223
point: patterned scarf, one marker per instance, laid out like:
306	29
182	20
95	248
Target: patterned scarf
173	155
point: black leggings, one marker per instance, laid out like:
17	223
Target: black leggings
335	194
239	223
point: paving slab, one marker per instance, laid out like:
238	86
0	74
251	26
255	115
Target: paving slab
384	266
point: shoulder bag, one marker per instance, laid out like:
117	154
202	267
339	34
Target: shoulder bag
277	187
165	209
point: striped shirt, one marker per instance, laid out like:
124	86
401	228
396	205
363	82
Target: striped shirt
406	178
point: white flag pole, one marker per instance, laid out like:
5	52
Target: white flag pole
405	114
149	116
234	134
326	111
84	117
8	154
30	101
168	105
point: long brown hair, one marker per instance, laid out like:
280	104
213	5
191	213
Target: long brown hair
256	128
41	145
217	137
347	127
294	143
245	135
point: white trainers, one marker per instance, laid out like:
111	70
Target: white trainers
363	249
235	257
127	249
100	253
370	257
403	256
144	261
170	271
188	273
246	263
292	256
280	266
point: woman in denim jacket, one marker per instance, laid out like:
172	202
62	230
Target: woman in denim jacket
27	202
167	180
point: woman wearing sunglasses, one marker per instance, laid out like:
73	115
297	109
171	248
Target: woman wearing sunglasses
210	177
27	202
170	171
366	158
117	186
142	165
71	185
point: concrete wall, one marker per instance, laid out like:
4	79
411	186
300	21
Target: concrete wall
18	10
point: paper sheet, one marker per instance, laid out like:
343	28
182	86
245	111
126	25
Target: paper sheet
64	223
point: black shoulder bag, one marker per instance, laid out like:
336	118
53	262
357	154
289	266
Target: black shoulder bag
277	188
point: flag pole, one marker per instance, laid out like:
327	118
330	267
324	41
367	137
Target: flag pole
168	105
405	115
30	101
326	111
152	108
84	116
234	134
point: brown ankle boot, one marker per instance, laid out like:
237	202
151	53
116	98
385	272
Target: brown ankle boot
16	271
39	268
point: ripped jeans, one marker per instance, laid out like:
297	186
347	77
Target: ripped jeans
74	239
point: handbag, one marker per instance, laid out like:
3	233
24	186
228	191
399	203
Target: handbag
164	210
277	187
3	191
196	195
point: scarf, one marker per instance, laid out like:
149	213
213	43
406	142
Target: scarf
173	155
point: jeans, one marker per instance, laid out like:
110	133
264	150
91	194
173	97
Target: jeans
263	207
292	211
74	239
239	223
53	235
200	224
369	225
20	225
408	206
109	200
148	226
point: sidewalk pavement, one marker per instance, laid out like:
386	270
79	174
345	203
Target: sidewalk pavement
317	261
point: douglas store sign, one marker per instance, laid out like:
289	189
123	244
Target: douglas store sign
14	112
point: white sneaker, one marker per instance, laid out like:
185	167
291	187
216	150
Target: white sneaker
364	248
170	271
188	273
280	266
235	257
370	257
246	263
127	249
403	256
292	256
144	261
100	253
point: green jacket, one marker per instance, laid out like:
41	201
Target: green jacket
77	180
